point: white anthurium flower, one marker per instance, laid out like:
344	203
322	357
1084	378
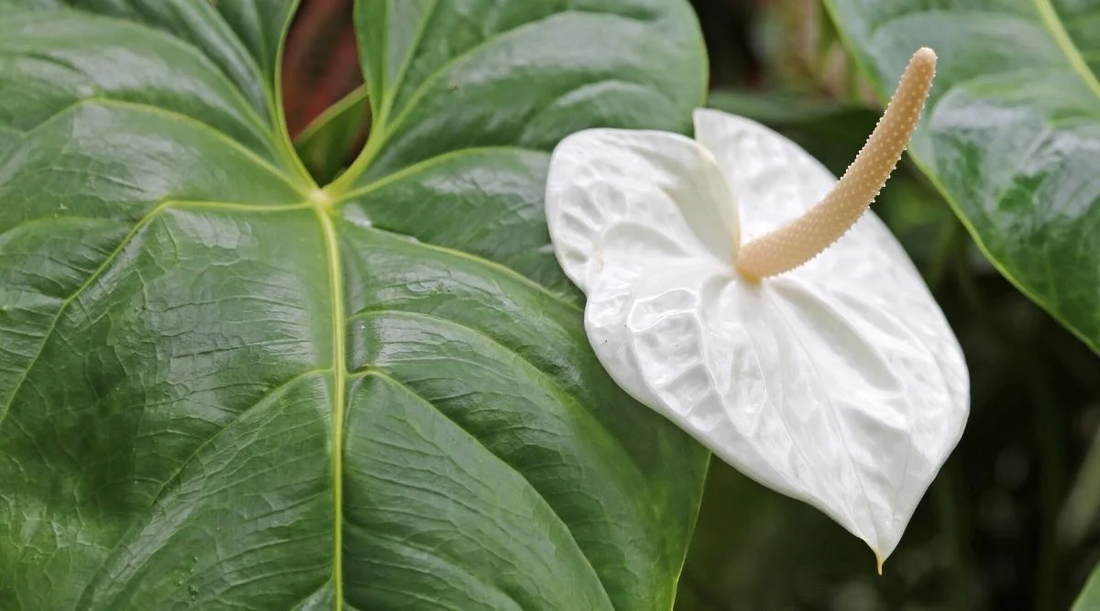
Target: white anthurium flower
736	287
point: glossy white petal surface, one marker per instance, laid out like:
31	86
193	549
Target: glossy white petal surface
839	383
643	198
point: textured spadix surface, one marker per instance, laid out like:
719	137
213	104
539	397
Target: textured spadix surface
838	383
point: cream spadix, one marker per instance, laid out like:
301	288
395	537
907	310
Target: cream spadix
831	378
808	235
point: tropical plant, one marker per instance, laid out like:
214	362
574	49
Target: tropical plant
342	368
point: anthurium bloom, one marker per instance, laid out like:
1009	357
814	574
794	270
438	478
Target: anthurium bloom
736	287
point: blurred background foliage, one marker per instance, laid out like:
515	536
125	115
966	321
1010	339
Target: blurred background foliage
1013	519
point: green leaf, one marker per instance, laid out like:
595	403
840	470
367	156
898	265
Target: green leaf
326	144
240	36
1089	599
224	386
519	73
1010	134
1081	511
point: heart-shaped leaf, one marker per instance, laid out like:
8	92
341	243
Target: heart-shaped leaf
1011	135
222	386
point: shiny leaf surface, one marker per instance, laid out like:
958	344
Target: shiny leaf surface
221	385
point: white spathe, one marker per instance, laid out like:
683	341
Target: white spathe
839	383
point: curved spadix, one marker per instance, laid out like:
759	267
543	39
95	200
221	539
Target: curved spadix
802	239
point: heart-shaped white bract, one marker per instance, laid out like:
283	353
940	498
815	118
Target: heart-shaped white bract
839	382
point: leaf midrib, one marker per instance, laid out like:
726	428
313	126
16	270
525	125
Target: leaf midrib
324	211
1053	24
391	97
339	376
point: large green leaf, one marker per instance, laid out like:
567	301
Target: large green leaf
223	386
1011	133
